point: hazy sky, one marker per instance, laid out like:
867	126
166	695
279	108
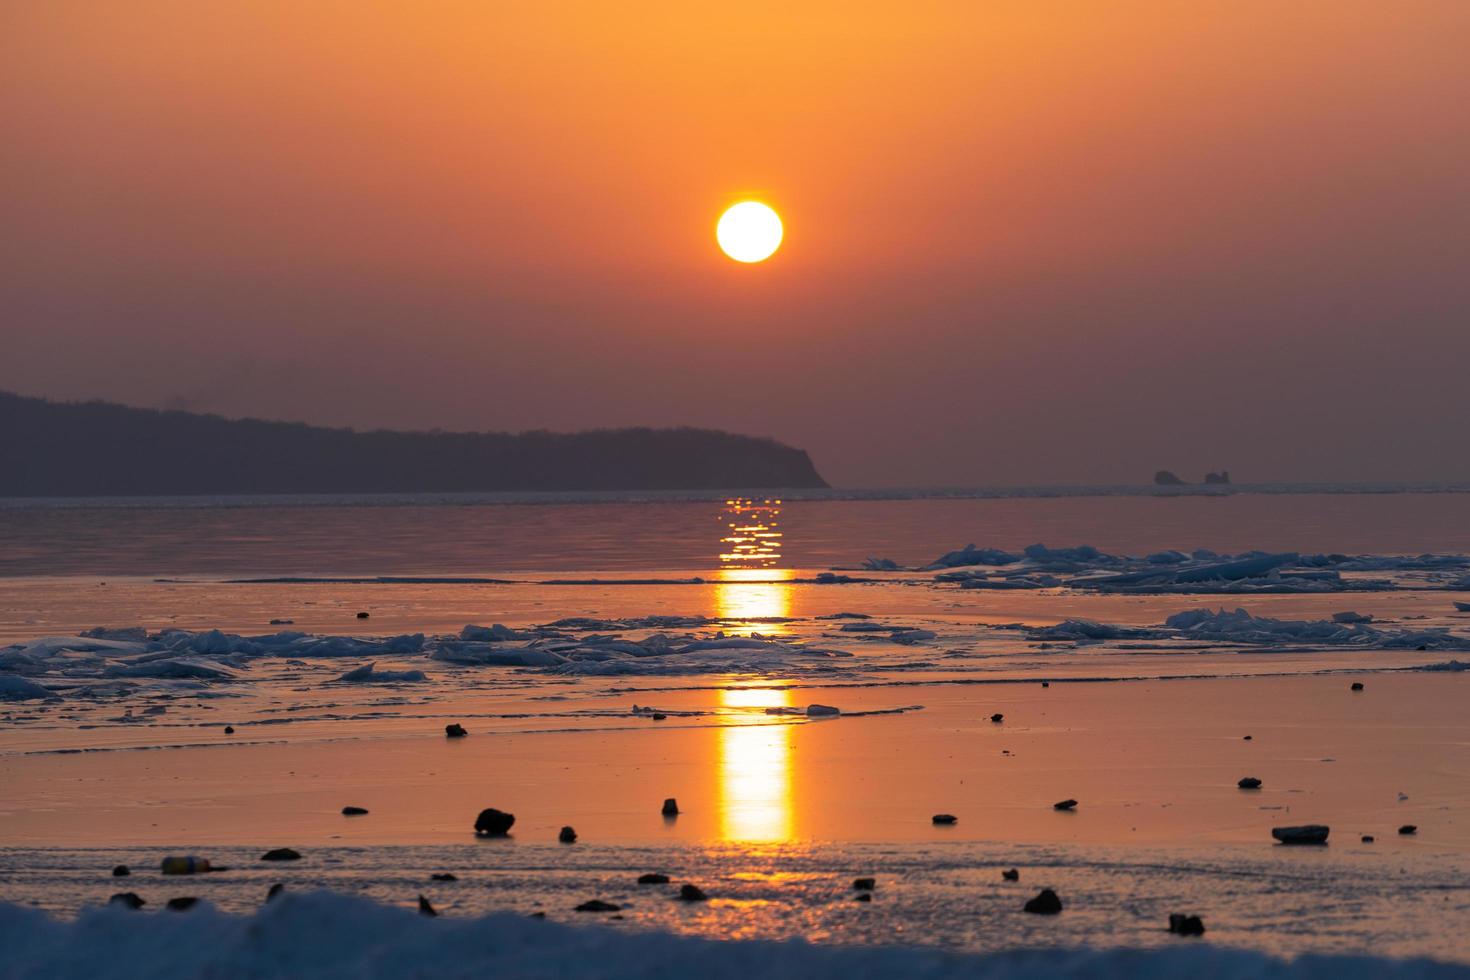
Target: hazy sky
1026	242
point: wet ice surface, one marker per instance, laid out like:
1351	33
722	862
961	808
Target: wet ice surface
170	682
588	703
1284	901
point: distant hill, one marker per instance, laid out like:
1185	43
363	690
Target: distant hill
102	449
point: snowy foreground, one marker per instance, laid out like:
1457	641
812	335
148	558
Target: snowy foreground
326	935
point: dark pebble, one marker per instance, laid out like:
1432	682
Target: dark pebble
121	871
354	811
598	905
1046	903
1011	874
671	807
182	903
1367	838
362	615
229	729
567	836
454	731
1186	925
863	897
281	854
945	819
1357	685
494	823
997	717
1249	782
443	876
1065	805
131	900
1408	829
426	909
691	893
653	878
275	891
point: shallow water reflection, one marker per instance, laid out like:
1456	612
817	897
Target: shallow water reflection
752	594
755	768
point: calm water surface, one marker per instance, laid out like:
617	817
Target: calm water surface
436	537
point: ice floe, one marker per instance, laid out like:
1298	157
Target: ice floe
1200	571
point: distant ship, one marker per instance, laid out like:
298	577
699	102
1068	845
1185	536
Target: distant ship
1167	478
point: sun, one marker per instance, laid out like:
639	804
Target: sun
749	232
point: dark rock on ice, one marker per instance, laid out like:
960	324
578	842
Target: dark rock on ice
1011	874
354	811
1314	833
1249	782
653	878
130	900
864	884
494	823
1046	903
1408	829
671	807
997	718
275	892
863	897
597	905
1065	805
1164	478
426	909
455	730
945	819
1367	838
229	729
362	615
691	893
1357	686
443	876
281	854
121	871
567	836
1186	925
182	904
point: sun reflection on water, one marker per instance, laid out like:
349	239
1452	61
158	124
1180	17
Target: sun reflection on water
754	536
755	767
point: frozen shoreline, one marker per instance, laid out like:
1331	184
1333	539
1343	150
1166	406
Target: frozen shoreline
320	935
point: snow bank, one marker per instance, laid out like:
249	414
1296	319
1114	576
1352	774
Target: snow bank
321	935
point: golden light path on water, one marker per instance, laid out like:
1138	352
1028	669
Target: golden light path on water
754	754
755	768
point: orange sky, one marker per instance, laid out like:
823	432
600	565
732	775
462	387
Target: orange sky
1026	242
